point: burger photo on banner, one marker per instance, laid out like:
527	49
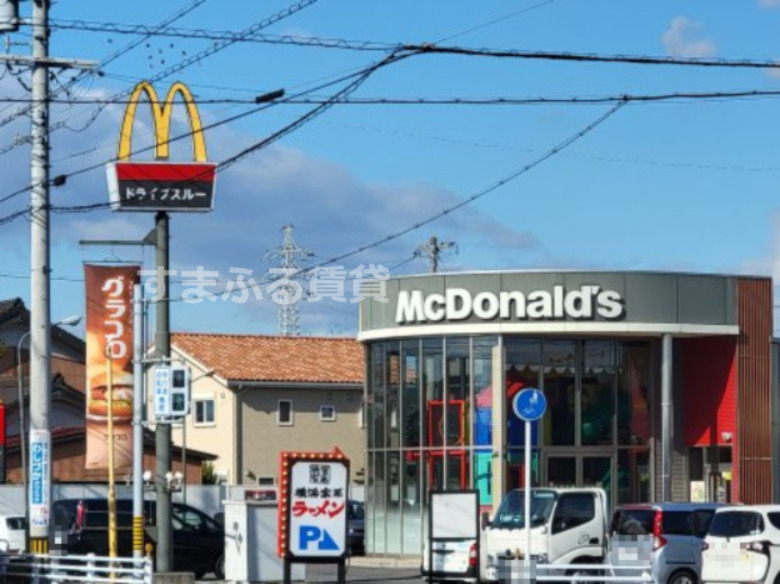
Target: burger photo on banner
109	327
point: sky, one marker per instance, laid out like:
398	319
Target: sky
682	185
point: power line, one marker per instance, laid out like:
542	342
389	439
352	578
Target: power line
223	35
110	58
467	101
594	57
555	150
359	78
181	65
323	42
495	21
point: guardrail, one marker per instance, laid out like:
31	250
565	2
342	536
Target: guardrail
515	570
41	569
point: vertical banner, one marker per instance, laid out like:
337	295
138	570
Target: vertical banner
40	481
109	291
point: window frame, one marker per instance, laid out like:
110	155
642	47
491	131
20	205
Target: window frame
205	423
279	421
580	520
326	419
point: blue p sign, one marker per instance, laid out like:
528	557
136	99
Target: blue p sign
309	534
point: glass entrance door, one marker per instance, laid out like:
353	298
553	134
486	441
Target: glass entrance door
580	470
562	471
597	472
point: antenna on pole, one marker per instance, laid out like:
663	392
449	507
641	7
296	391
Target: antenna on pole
289	290
433	249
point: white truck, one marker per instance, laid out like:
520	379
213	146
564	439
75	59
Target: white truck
568	526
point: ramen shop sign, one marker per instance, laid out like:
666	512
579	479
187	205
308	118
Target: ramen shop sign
589	302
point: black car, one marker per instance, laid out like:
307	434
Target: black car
356	528
198	540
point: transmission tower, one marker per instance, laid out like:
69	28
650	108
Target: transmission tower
291	288
433	249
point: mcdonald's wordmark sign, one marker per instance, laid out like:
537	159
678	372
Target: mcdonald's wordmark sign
160	185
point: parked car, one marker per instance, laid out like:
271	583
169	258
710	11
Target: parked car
198	540
12	532
667	537
356	528
568	526
743	545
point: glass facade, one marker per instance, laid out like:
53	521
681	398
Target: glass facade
431	408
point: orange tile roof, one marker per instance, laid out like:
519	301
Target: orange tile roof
275	358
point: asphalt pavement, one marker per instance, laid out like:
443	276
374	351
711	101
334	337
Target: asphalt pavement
324	574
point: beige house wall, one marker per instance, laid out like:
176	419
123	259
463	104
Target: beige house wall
263	438
217	438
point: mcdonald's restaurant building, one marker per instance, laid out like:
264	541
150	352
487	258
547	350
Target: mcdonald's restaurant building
659	386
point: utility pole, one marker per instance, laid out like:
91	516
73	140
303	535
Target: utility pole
290	291
39	490
40	323
433	249
162	344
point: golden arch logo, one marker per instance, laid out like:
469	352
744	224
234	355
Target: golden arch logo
161	117
161	185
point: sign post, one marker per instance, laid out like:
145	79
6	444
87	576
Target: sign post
529	405
313	510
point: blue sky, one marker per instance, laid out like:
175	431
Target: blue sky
689	186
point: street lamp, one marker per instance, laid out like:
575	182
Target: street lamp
69	321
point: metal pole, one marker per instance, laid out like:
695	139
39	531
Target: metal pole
40	334
163	431
112	547
22	425
184	459
138	416
527	498
434	242
666	417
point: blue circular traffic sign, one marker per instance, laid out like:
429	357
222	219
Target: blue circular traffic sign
529	404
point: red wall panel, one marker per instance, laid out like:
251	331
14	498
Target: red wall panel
710	390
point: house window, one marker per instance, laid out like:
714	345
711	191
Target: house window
204	412
284	415
327	413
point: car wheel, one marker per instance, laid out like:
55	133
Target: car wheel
683	577
219	568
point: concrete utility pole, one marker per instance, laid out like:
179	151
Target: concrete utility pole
162	344
289	313
433	249
40	312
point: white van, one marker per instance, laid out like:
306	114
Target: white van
12	533
568	526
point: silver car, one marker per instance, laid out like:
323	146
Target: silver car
666	537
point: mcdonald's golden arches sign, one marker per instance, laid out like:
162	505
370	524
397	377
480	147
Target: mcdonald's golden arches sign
161	185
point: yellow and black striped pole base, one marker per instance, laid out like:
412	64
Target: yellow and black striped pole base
39	545
138	535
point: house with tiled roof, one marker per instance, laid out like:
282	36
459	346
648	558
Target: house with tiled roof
68	407
254	396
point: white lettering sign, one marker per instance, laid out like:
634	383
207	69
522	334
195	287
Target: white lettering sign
585	303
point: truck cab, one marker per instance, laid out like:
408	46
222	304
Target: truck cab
568	526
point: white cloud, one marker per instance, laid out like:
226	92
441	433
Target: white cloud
333	211
684	38
769	3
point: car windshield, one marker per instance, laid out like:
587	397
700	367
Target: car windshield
355	511
511	512
736	524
